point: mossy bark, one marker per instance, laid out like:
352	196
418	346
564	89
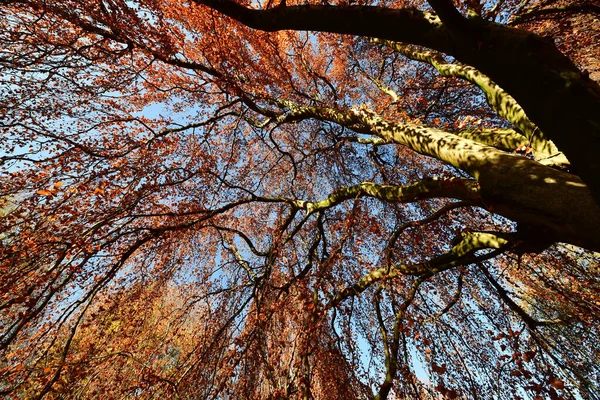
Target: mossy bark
558	204
554	94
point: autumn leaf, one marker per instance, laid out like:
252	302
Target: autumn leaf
439	369
556	383
44	192
529	355
270	195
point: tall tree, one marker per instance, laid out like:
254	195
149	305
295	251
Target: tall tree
221	199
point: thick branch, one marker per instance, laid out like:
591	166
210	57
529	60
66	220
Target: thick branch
557	97
460	254
462	189
449	15
502	102
555	202
368	21
503	139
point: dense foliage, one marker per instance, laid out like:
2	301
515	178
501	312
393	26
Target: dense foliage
328	200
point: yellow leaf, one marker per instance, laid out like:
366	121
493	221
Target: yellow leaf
58	185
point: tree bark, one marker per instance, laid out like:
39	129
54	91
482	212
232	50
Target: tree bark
556	96
557	205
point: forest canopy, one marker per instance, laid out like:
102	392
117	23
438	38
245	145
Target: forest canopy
336	199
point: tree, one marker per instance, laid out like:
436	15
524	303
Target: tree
213	199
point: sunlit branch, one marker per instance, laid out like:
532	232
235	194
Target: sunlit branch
498	51
493	12
488	165
375	141
462	189
385	89
503	139
380	85
458	151
462	253
502	102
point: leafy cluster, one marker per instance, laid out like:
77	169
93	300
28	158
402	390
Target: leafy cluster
220	199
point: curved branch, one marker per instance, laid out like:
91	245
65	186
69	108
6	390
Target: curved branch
413	25
500	101
561	100
457	188
460	254
572	217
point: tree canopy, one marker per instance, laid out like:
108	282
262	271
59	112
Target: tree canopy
334	199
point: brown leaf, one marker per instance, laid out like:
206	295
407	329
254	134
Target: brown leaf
557	383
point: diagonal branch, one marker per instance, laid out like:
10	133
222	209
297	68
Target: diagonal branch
502	176
461	254
457	188
449	15
561	100
500	101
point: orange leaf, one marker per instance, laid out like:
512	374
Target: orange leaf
557	383
44	192
58	185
